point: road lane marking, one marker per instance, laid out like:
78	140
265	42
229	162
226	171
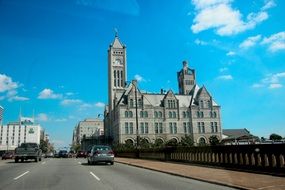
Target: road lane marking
79	162
43	163
21	175
95	176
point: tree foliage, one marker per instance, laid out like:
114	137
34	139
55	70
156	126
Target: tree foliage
275	137
44	146
186	141
214	140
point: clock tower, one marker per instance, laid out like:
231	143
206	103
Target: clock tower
117	70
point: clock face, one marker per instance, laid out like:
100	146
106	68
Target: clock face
118	62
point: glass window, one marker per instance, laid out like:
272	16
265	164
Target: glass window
174	114
185	127
170	128
175	128
142	128
188	114
170	114
160	114
146	128
209	103
189	127
130	114
126	128
198	114
131	128
184	114
156	128
140	103
202	114
203	127
215	114
216	127
160	128
212	127
131	103
126	114
199	127
155	114
141	114
145	114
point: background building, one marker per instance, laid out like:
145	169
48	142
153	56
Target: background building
88	128
158	116
15	133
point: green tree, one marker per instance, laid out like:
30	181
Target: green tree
75	147
187	141
214	140
172	142
275	137
44	146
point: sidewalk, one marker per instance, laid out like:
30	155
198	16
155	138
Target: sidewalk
237	179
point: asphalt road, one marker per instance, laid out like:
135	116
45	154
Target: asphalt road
74	174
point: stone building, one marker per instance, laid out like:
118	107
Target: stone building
157	116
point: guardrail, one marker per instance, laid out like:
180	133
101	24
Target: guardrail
261	157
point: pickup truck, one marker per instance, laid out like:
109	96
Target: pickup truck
28	151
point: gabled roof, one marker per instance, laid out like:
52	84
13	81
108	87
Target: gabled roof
116	43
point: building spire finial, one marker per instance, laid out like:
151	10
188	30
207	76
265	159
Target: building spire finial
116	32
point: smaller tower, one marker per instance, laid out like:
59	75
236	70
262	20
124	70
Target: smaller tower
186	79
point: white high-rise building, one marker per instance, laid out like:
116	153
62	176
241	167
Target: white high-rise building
15	133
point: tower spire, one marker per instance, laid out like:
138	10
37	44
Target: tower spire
116	32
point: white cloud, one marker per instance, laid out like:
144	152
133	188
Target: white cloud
139	78
273	86
69	94
200	42
268	5
231	53
7	84
67	102
100	104
271	81
276	42
42	117
225	77
48	94
219	15
250	41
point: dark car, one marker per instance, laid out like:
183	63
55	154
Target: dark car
101	153
8	155
81	154
62	154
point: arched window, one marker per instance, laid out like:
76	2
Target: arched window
202	141
184	114
141	114
202	114
126	114
188	114
160	114
214	114
131	103
155	114
170	114
139	102
198	114
145	114
130	114
201	104
209	103
131	128
115	74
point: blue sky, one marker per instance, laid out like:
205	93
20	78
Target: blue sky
53	57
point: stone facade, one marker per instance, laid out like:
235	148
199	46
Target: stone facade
160	116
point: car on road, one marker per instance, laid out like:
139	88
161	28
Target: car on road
81	154
49	155
28	151
62	154
101	153
8	155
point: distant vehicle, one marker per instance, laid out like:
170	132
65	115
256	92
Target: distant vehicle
49	155
81	154
101	153
28	151
62	154
8	155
